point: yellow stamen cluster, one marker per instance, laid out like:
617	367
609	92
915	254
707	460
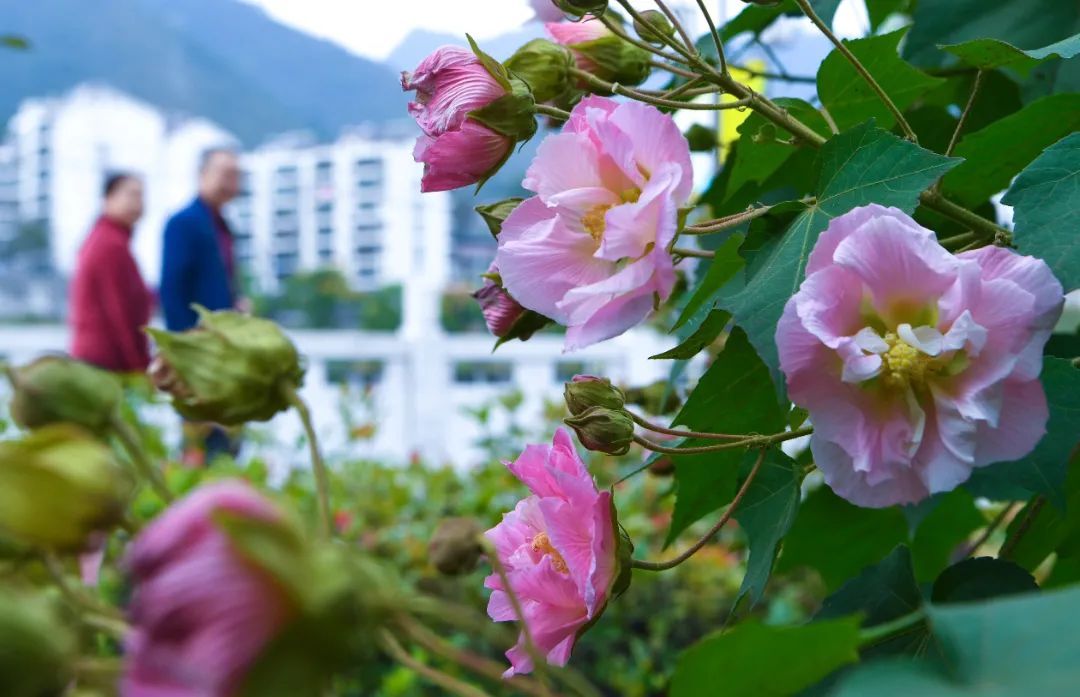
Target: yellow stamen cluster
593	221
541	544
903	364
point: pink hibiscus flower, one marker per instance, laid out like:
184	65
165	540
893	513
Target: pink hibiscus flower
916	365
590	250
559	548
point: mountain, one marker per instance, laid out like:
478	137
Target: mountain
223	59
420	42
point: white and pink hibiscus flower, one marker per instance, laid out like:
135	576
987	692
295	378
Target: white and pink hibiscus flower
916	365
591	249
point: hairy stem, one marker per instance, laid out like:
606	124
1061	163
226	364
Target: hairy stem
964	114
1009	547
892	628
725	223
552	111
676	432
748	442
715	37
677	25
704	540
318	465
698	253
130	441
389	644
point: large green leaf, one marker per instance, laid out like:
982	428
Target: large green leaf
734	395
1011	647
860	166
1030	23
848	97
765	515
756	660
723	267
1044	470
995	154
839	539
986	54
981	578
942	531
757	18
1045	199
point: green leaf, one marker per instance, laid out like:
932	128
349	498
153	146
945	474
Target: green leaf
703	336
722	269
987	54
839	539
758	18
756	660
880	10
1028	23
1011	647
765	515
1045	198
994	155
860	166
1044	470
850	99
761	152
981	579
737	377
13	41
942	531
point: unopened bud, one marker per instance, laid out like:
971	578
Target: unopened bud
230	369
544	66
37	651
58	389
495	213
582	7
455	547
58	486
586	391
603	430
614	60
654	22
701	138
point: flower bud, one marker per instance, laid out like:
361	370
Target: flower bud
230	369
654	22
495	213
599	51
58	389
603	430
586	391
58	486
500	311
582	7
544	66
455	547
36	650
701	138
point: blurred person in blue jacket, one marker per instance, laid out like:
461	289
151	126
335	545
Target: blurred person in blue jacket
198	267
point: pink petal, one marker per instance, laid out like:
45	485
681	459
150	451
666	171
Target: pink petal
1024	402
450	83
841	227
569	33
460	158
656	142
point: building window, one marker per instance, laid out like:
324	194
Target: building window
483	373
566	370
361	374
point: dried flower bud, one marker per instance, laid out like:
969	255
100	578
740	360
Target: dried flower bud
654	21
455	547
603	430
586	391
58	486
58	389
544	66
230	369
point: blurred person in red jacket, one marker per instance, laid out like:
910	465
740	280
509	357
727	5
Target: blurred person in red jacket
110	303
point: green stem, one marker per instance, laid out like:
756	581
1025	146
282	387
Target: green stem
704	540
726	223
964	114
957	241
553	112
991	528
600	85
887	630
859	68
985	229
657	35
715	37
318	465
674	19
748	442
127	437
677	432
390	645
1009	547
699	253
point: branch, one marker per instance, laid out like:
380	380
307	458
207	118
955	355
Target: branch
693	549
748	442
322	477
552	111
964	114
1025	525
715	37
727	222
859	68
698	253
392	648
676	432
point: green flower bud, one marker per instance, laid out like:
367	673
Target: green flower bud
495	213
701	138
603	430
582	7
544	66
58	389
230	369
615	60
455	548
654	21
57	486
587	391
36	650
513	114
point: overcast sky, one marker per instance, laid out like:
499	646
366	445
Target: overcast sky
373	28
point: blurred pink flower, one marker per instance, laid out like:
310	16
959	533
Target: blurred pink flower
916	365
559	550
570	33
546	11
499	309
201	614
456	150
590	250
